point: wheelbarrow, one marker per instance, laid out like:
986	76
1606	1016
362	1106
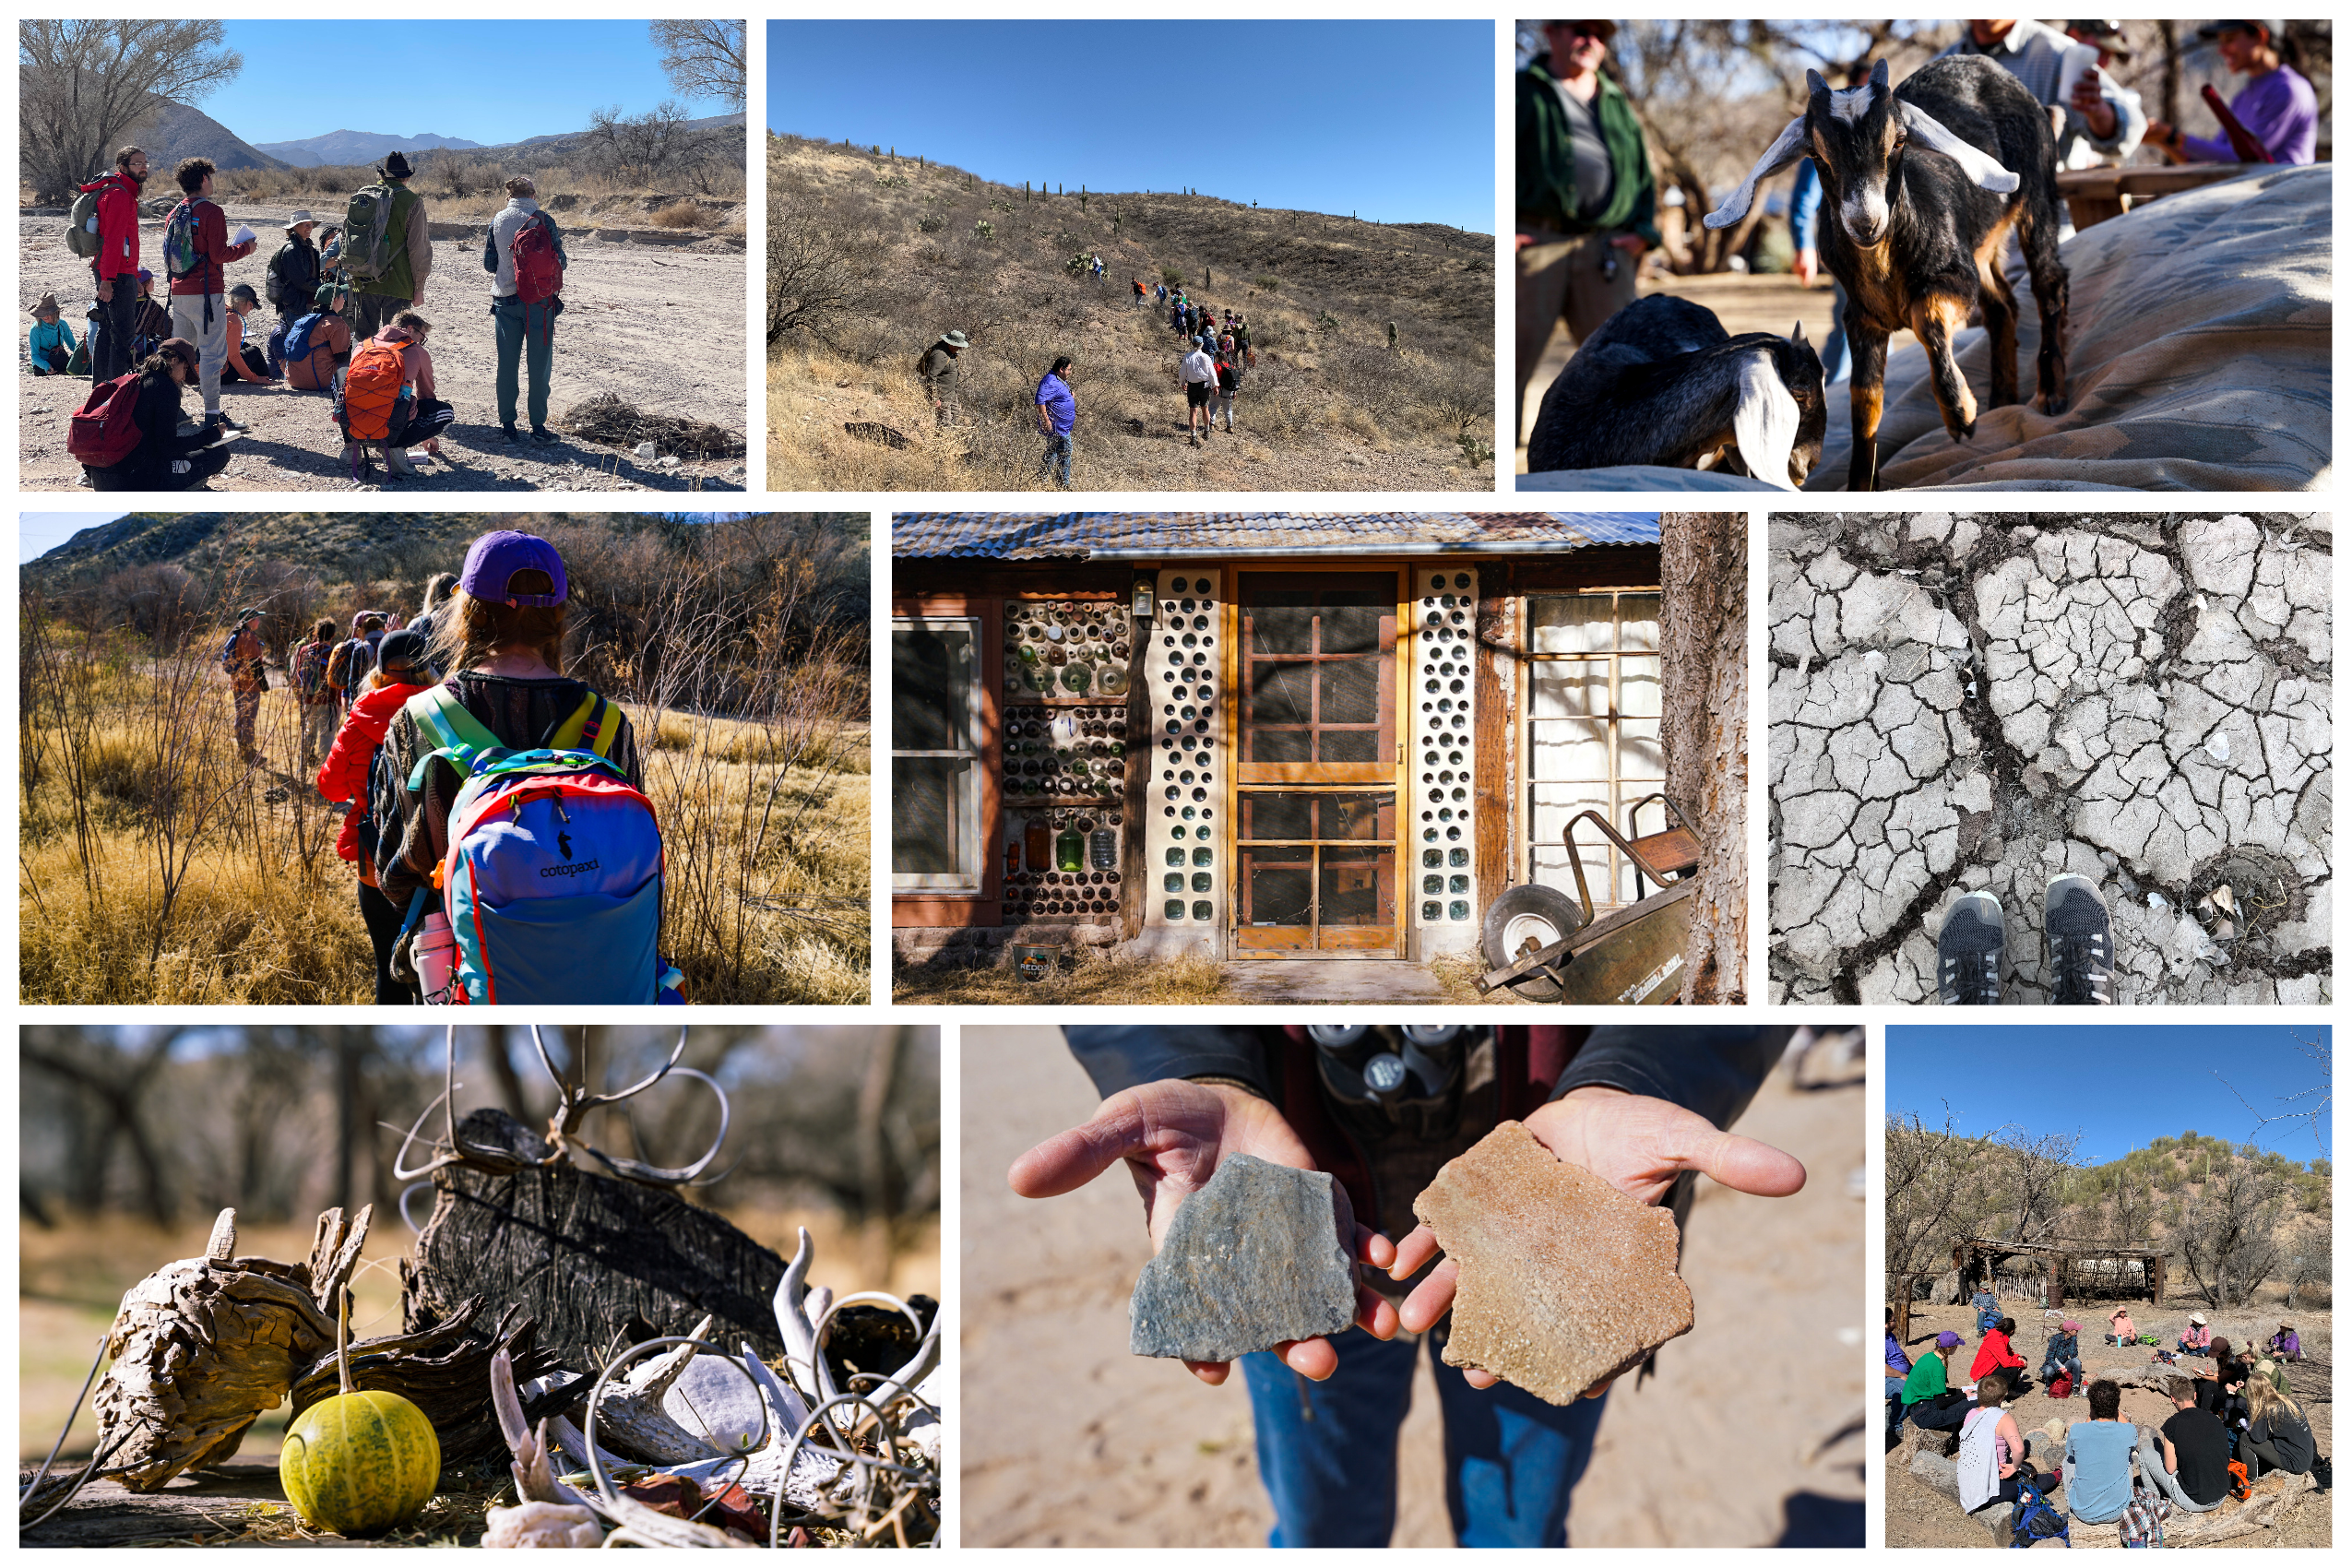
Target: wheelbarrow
1539	942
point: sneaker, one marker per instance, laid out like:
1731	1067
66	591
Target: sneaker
509	435
544	437
2082	942
224	422
1969	952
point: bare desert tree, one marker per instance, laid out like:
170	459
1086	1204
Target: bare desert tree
1703	639
703	57
814	276
83	81
1934	1190
2228	1231
2034	1173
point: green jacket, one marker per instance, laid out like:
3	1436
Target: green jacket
1548	163
408	227
1926	1380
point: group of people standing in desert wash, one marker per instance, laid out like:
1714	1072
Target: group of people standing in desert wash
346	305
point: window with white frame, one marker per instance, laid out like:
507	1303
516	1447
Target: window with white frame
936	837
1592	707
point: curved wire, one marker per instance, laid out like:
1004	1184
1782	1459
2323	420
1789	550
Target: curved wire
659	1175
406	1192
58	1448
595	1462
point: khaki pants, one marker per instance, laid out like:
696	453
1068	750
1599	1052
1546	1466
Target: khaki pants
248	709
1561	275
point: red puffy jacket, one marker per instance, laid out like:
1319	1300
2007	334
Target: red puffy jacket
1993	1355
344	775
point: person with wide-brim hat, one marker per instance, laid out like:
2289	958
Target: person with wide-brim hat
292	282
408	230
937	368
51	342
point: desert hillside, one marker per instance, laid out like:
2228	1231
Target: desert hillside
873	255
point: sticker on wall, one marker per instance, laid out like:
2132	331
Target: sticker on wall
1183	685
1445	624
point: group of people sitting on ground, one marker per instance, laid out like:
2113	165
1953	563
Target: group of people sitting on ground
2225	1431
418	722
346	324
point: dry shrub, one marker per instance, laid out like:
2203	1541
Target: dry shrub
681	215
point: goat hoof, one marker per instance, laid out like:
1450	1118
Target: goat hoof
2050	403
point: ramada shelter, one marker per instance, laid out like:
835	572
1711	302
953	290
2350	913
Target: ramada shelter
1260	735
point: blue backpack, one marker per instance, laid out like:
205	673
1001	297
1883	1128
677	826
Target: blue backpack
297	344
2034	1520
551	884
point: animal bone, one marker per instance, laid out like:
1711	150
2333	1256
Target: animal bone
630	1414
202	1347
534	1479
640	1525
543	1525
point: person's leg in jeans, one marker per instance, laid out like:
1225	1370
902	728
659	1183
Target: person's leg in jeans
539	357
384	920
1328	1451
112	357
1511	1460
506	320
1837	359
2152	1469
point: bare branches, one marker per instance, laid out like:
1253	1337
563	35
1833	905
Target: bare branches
2311	1106
703	57
84	81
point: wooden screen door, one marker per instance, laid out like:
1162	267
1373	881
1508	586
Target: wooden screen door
1317	767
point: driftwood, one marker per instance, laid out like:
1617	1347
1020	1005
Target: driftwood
443	1372
204	1345
586	1256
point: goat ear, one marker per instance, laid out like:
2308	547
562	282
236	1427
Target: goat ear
1813	84
1973	161
1765	422
1878	76
1778	156
1798	336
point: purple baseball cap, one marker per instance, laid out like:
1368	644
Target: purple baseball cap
491	564
1947	1339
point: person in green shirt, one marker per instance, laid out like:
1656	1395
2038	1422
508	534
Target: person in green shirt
1928	1382
1587	202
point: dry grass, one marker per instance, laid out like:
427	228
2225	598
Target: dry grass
682	215
457	190
156	869
1093	979
915	250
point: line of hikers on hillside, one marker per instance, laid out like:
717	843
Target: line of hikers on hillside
506	849
348	325
2226	1431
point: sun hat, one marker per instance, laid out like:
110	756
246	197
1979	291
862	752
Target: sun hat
956	339
2069	1326
2197	1318
494	559
302	216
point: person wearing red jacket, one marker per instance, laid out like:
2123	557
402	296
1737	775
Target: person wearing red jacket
114	269
401	673
200	298
1994	1355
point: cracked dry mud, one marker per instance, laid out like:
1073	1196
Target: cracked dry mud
1985	701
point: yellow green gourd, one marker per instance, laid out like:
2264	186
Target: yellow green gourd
359	1462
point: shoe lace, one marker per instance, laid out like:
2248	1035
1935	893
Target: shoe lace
2076	966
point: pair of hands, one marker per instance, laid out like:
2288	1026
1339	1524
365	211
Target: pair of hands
1174	1132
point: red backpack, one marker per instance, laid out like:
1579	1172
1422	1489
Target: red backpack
105	430
537	273
371	388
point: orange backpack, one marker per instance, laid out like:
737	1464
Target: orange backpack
371	388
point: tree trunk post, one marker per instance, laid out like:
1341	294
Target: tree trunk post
1703	642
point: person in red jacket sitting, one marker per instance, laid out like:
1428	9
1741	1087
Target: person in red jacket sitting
1994	1355
400	673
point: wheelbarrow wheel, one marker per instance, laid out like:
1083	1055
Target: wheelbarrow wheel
1526	917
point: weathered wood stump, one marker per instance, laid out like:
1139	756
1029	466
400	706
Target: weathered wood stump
594	1259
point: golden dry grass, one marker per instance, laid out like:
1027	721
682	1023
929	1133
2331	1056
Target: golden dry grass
1092	981
267	914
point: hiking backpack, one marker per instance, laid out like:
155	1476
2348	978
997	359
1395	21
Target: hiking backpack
537	273
180	257
374	232
229	663
297	343
105	429
551	884
82	223
372	387
310	669
350	663
2034	1520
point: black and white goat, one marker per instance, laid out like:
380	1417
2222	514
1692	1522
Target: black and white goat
1662	381
1926	183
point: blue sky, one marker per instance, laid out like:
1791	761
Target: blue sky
487	82
2120	1086
38	533
1392	120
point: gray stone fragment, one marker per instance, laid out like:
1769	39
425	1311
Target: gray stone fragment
1251	1261
716	1400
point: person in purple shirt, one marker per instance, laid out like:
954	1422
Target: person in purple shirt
2277	104
1057	411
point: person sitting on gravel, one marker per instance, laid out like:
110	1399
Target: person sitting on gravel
428	416
1928	1397
51	342
171	455
2279	1435
1898	1360
2196	1339
2119	1328
2285	1344
2270	1371
245	361
2063	1353
319	344
1994	1355
2190	1459
1993	1451
526	330
2098	1458
1986	1306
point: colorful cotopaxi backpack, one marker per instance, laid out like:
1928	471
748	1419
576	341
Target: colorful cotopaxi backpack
552	879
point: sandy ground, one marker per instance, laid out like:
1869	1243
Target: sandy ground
1918	1515
662	327
1087	1445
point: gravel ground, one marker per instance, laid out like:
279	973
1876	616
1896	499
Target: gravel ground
660	327
1978	702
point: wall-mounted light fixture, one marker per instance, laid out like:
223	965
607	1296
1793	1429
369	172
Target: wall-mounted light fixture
1147	602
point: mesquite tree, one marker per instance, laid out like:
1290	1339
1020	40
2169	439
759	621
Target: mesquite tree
82	82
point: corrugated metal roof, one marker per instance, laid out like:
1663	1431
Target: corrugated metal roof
1046	536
